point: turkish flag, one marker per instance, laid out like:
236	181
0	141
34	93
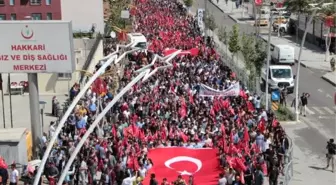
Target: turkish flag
203	164
258	2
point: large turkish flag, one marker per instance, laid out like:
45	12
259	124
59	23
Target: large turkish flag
168	163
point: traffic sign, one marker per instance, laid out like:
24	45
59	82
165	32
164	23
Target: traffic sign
275	105
275	96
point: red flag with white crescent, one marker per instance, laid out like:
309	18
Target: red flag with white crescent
203	164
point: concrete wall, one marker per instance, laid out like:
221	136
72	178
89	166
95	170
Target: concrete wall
52	83
83	14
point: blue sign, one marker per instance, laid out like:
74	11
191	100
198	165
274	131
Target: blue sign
275	96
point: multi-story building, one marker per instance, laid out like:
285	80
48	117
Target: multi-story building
30	10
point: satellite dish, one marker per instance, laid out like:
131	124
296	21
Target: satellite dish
113	34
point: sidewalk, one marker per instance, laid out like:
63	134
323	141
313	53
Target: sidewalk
230	7
308	162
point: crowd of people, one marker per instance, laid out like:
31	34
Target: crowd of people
167	110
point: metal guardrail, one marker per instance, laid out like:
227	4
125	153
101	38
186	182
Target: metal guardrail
288	168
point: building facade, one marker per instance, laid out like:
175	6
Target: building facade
89	14
30	10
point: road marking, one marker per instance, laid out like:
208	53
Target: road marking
319	90
328	96
309	111
317	110
328	110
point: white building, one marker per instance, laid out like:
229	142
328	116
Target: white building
84	14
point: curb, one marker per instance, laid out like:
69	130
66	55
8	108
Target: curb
232	18
301	64
216	6
328	80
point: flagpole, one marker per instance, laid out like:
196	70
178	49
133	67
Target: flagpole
3	102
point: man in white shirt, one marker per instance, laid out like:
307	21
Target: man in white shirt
14	175
130	180
222	180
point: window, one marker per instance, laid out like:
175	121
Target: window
64	76
11	2
36	16
2	16
48	2
35	2
49	16
13	16
24	2
2	2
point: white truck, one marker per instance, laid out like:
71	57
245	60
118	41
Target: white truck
283	54
138	39
280	76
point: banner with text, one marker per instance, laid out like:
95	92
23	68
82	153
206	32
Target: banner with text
210	92
200	13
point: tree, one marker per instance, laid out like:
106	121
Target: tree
234	46
116	6
223	36
188	3
210	22
248	51
298	7
258	60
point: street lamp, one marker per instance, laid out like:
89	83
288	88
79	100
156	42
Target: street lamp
42	106
314	8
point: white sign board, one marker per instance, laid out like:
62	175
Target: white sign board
125	14
200	13
36	47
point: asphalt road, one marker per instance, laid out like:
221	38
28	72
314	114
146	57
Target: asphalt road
311	133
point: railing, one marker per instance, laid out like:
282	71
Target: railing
288	168
90	56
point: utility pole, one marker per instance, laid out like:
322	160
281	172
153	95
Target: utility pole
268	58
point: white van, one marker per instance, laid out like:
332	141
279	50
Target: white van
280	76
139	40
283	54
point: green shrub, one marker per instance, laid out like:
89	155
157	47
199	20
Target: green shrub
188	3
284	114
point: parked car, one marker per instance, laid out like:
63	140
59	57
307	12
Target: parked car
262	22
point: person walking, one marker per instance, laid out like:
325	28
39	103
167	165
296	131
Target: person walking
304	103
283	96
14	175
258	176
331	152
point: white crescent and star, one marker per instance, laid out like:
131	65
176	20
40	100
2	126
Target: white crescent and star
197	162
166	60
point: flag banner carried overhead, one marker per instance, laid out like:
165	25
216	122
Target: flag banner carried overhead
210	92
202	164
258	2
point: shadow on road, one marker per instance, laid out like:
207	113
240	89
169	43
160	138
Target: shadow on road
318	168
